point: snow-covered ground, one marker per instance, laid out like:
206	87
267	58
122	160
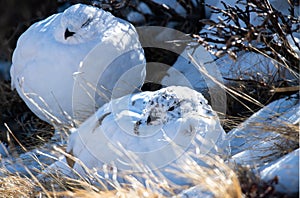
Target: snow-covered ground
31	162
138	16
286	171
260	139
248	66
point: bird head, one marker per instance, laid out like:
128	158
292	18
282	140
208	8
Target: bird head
81	23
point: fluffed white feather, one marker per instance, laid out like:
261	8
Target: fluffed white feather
154	129
51	51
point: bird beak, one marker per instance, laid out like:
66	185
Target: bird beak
68	33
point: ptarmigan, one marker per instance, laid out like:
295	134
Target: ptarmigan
52	53
154	129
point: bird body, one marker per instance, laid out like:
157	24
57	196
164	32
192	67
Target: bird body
51	51
151	129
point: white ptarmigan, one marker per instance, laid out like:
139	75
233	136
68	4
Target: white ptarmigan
52	51
151	129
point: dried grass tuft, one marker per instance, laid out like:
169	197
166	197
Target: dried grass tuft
16	117
15	186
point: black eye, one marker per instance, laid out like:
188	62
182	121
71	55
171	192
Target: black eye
87	22
148	119
171	108
68	33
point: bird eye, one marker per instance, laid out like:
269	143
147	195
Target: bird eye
87	22
149	119
68	33
171	108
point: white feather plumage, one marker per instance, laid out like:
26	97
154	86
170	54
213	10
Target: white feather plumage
157	129
51	51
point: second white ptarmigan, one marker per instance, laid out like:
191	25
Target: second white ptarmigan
50	53
149	129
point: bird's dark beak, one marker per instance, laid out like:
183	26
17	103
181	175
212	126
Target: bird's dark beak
68	33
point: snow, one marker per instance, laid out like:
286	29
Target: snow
3	150
195	192
286	169
248	66
284	7
155	127
177	7
60	46
136	17
59	166
294	41
208	11
142	7
34	161
251	144
172	4
280	5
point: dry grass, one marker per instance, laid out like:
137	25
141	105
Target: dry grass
252	186
16	118
216	178
14	185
